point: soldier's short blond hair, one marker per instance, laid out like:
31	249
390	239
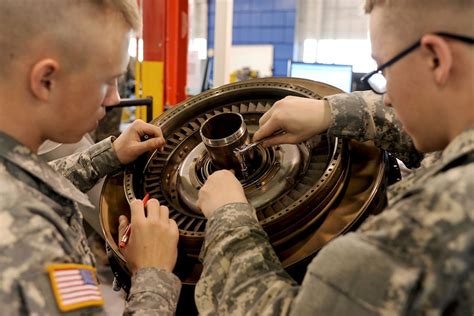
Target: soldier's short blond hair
410	19
62	22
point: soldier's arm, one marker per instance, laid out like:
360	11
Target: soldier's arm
391	266
86	168
243	276
242	273
154	292
363	116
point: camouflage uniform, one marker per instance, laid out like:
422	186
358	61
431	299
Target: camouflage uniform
362	116
40	224
414	258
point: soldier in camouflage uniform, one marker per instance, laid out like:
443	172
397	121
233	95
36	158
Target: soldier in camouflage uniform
417	256
55	83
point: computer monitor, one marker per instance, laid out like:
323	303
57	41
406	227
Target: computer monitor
339	76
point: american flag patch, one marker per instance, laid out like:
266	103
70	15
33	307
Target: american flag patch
75	286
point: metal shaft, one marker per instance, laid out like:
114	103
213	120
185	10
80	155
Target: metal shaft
222	134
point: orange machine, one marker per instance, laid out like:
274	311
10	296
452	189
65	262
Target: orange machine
161	70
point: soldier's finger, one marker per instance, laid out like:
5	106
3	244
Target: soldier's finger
266	130
153	132
123	223
151	144
199	200
164	213
153	209
137	210
174	227
265	117
281	139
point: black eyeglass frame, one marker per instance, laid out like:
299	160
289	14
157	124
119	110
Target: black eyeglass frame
407	51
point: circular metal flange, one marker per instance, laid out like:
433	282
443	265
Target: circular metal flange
322	177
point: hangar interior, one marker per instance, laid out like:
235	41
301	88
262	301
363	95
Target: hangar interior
206	72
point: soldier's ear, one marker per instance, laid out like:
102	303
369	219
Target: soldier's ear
42	78
439	57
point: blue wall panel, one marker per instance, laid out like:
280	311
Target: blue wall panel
262	22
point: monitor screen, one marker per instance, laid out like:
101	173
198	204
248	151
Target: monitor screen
339	76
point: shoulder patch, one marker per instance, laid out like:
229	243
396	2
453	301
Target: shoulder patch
74	286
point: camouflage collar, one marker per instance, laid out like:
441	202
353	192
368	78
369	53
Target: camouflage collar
460	146
23	157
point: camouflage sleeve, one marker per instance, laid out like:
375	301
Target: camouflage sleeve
431	228
30	238
242	274
351	276
413	258
362	116
86	168
154	292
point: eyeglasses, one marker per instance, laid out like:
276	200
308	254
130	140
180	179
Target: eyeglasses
376	79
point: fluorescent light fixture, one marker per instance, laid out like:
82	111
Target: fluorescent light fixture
140	50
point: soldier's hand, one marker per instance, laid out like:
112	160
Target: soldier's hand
130	144
221	188
153	240
300	118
